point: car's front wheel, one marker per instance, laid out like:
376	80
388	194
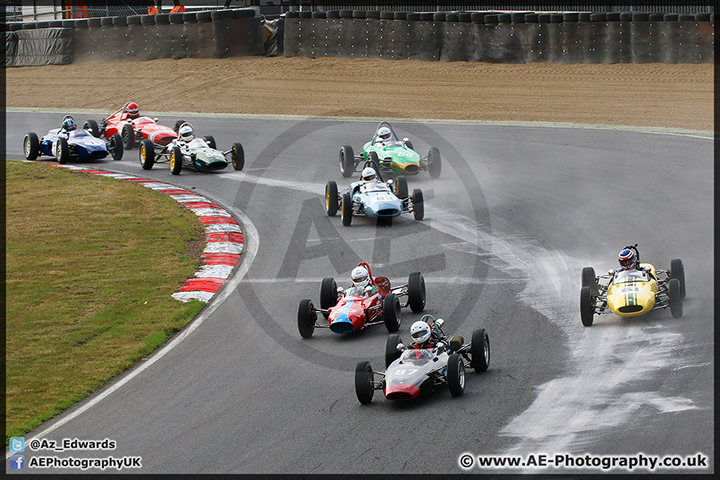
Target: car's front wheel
31	146
306	318
238	156
675	298
364	379
418	205
586	306
147	154
347	161
456	375
346	211
480	350
116	147
176	159
62	151
331	198
416	292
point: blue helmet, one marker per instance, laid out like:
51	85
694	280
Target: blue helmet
627	259
68	123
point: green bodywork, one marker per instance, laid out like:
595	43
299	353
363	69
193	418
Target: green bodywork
395	159
204	159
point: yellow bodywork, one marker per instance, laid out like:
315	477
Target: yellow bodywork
631	294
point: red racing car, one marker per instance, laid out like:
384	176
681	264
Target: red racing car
132	128
357	308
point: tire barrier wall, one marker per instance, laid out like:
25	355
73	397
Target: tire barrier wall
503	38
46	46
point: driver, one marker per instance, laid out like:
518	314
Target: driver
629	259
68	124
368	176
133	111
383	137
361	279
423	335
186	134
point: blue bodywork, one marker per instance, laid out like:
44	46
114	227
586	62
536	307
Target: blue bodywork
377	199
80	142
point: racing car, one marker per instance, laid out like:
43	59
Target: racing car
356	309
394	156
411	372
381	200
630	293
132	130
75	144
199	154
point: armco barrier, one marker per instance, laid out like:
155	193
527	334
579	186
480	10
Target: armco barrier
616	37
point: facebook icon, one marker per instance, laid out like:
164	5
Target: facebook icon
17	462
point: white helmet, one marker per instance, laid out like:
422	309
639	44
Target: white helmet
420	332
368	174
185	132
384	133
360	277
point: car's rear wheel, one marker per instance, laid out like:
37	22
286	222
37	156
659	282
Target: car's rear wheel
364	382
92	127
31	146
586	306
62	151
328	294
346	211
434	163
677	270
210	140
416	292
128	136
147	154
675	298
456	375
480	350
347	161
176	160
391	351
237	156
116	147
306	318
401	187
331	198
418	205
391	312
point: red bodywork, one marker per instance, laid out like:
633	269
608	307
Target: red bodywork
144	127
355	312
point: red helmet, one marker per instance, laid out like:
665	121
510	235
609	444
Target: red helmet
627	259
132	109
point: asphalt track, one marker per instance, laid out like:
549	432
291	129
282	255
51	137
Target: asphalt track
516	214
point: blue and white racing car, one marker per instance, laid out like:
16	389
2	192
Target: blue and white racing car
76	144
382	200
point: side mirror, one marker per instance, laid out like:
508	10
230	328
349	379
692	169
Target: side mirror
439	322
368	289
406	139
155	119
390	181
400	347
340	290
610	272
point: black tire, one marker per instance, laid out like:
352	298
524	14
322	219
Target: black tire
63	151
588	277
675	298
401	187
176	160
456	375
331	198
677	270
92	127
147	154
328	294
391	351
306	318
128	137
346	212
237	156
116	147
347	161
364	382
586	306
418	204
480	350
31	146
416	292
391	312
210	140
434	163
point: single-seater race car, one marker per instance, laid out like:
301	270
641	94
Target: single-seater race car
355	309
75	144
394	156
629	293
199	154
132	130
412	372
381	200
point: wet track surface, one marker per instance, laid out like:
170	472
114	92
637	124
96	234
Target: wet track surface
516	214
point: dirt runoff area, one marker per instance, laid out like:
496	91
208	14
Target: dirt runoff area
678	96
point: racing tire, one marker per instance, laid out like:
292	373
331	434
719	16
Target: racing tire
237	156
116	147
328	294
92	127
416	292
401	187
128	137
586	306
409	145
210	140
677	270
176	160
588	279
391	312
347	161
456	375
391	351
62	151
31	146
480	350
331	198
364	382
675	298
147	154
418	205
306	318
434	163
346	211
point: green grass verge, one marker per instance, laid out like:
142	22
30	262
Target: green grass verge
92	263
